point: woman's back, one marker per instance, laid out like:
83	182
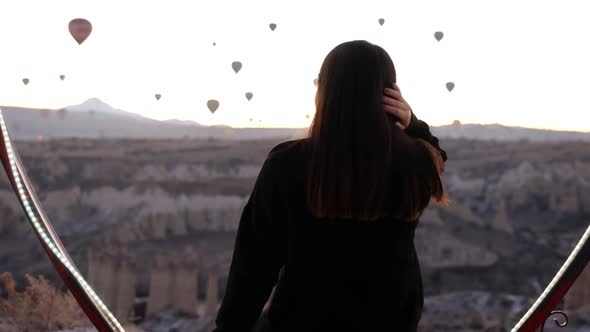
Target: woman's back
342	271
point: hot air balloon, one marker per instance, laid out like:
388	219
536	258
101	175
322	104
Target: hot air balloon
250	119
450	86
62	77
381	21
158	96
25	81
212	105
236	65
438	35
272	26
249	95
80	29
214	44
307	116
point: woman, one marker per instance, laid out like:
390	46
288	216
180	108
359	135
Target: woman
336	211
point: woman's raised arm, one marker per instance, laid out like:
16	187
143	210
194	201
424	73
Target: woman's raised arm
420	129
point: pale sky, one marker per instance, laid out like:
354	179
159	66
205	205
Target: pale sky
513	62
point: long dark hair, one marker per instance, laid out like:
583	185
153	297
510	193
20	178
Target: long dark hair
361	165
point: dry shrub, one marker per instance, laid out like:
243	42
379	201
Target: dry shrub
41	306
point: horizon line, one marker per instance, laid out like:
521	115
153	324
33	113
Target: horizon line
294	128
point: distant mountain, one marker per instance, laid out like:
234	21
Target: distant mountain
91	119
95	119
499	132
96	105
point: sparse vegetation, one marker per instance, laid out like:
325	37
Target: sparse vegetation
40	306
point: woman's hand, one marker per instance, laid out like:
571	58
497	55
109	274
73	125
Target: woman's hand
394	103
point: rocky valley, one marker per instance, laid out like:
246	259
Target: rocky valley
518	208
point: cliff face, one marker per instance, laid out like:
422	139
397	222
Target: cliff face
518	207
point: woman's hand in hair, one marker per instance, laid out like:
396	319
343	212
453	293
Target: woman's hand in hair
394	103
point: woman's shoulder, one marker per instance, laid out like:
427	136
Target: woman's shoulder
283	161
288	149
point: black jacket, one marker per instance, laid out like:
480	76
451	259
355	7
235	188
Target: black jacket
337	275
